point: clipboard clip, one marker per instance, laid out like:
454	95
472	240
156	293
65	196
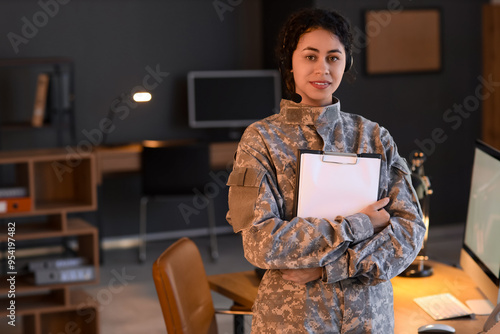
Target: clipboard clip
340	158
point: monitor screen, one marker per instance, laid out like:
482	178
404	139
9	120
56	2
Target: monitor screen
480	257
232	99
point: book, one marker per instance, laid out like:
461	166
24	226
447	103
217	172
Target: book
11	192
56	263
64	275
42	87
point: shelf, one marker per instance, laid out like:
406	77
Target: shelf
58	206
24	284
24	126
6	62
57	181
87	248
50	302
48	154
45	230
51	208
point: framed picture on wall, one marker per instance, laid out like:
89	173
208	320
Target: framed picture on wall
403	41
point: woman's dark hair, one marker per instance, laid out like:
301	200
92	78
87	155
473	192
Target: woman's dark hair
298	24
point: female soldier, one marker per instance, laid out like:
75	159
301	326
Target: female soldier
325	276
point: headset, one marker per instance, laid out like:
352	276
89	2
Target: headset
348	62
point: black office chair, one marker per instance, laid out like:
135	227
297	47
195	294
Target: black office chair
175	169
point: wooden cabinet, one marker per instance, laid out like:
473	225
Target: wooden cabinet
491	73
57	184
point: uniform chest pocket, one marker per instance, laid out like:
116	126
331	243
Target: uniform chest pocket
244	185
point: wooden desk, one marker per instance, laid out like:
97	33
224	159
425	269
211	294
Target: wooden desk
242	288
127	158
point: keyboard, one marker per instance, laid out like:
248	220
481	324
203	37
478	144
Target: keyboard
443	306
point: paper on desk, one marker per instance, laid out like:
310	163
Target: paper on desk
480	306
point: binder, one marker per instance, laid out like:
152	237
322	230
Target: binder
331	184
56	263
64	275
12	192
17	204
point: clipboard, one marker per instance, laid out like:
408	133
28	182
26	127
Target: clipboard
331	184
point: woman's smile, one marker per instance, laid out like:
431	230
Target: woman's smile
320	84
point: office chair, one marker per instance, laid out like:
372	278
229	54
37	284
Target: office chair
175	169
183	290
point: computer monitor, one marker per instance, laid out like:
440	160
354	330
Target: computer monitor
480	254
232	99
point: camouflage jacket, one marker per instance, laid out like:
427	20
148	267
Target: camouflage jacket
355	294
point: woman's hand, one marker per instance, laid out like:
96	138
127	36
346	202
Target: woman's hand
377	214
302	276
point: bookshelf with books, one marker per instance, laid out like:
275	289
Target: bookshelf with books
56	187
36	101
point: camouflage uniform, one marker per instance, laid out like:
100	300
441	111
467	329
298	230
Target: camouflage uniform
355	294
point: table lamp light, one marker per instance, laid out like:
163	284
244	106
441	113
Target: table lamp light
422	186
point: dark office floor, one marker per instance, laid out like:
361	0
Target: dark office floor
132	306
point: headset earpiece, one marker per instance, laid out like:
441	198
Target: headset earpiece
348	63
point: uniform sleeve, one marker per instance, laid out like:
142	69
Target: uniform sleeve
269	241
386	254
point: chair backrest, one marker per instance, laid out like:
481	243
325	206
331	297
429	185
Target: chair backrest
182	287
174	169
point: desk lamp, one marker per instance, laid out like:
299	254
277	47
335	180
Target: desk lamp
422	186
131	101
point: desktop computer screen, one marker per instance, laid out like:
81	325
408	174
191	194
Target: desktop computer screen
232	99
480	255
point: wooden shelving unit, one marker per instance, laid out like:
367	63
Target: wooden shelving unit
57	184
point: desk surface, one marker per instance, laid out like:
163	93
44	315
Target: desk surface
242	287
127	158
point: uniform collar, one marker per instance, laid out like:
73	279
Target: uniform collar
297	113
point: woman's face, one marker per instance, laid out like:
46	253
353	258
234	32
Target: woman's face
318	65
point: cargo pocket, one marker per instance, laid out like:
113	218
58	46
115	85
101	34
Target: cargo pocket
244	186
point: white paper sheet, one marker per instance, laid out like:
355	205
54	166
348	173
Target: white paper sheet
332	185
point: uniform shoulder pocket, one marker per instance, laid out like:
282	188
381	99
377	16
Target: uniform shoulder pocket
402	169
244	185
246	177
401	165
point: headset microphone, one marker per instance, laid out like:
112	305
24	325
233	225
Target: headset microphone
296	98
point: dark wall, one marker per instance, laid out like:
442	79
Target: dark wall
113	42
413	106
274	14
